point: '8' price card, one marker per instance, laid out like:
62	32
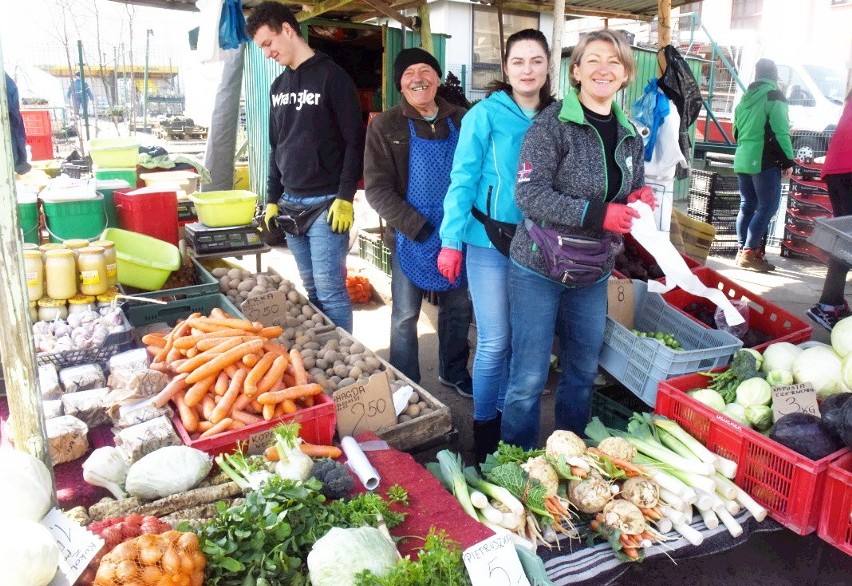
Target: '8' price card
366	407
494	562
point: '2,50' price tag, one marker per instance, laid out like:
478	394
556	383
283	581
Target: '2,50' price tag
494	562
270	309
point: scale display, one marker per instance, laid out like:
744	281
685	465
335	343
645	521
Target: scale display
206	240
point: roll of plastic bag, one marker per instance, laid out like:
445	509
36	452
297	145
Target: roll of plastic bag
359	463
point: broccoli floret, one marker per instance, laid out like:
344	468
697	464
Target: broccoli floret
744	365
335	478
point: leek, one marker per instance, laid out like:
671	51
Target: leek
451	470
496	492
692	444
711	521
757	511
734	528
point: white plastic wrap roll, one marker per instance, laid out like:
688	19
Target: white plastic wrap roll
359	463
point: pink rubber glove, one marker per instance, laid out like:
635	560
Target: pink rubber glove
449	263
618	218
645	195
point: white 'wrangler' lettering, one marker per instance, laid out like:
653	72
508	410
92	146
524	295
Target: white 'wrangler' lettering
292	98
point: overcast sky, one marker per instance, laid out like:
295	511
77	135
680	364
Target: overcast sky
30	29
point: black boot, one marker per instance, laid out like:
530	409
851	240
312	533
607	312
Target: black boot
486	435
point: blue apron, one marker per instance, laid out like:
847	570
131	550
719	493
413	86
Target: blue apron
429	166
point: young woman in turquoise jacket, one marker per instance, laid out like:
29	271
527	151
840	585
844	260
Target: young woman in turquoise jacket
482	194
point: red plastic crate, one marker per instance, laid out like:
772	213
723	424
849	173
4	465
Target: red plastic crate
764	316
835	524
154	213
37	122
317	427
788	484
41	147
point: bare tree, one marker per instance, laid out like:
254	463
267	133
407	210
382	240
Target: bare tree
131	14
63	21
106	80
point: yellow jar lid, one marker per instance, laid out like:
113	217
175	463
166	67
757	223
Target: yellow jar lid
32	254
104	243
52	246
77	243
91	250
107	297
59	253
33	303
48	302
29	246
80	299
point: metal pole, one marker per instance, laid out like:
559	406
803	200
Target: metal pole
83	87
124	79
148	34
19	370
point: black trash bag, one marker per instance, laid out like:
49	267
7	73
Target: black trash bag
680	86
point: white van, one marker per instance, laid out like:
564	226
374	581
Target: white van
815	95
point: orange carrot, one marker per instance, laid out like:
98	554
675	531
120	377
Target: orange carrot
229	323
268	412
299	373
223	425
274	374
272	331
242	403
219	313
178	331
190	341
222	382
231	370
153	351
236	424
306	401
629	468
255	406
173	354
318	451
246	418
257	373
271	454
187	415
196	392
292	393
176	385
219	362
159	366
207	406
271	346
190	352
154	339
223	407
205	357
204	425
251	359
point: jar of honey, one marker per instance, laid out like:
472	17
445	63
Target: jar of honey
91	266
60	274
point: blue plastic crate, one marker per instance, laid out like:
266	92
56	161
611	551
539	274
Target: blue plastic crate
641	363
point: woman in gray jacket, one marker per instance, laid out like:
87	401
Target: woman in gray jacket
580	164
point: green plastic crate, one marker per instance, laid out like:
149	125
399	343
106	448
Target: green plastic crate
206	284
372	248
614	405
170	313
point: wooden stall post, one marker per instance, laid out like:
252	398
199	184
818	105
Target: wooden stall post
16	343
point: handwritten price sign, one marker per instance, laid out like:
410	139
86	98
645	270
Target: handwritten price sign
270	309
494	562
365	407
77	546
800	398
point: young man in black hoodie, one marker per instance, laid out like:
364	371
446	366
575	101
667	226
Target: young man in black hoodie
317	156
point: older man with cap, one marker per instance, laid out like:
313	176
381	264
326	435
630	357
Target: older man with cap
764	155
407	163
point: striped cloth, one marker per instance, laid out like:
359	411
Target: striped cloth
578	564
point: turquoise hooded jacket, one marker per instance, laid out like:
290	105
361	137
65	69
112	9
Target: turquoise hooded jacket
485	163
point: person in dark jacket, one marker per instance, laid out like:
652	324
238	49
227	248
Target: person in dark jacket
581	163
16	128
407	165
764	155
837	174
316	134
79	91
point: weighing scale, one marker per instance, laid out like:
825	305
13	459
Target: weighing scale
205	240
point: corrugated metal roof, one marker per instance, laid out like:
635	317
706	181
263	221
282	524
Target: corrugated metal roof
359	10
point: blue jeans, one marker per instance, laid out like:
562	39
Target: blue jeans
321	259
536	305
488	279
760	195
454	314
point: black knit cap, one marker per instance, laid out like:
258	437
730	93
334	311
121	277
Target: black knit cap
409	57
766	68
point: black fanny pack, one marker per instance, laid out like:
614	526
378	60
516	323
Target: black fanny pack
570	258
499	233
296	219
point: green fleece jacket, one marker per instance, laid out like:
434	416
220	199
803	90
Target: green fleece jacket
762	129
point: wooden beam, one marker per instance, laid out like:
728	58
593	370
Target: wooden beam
664	23
425	29
320	8
576	11
391	13
404	5
16	343
556	47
